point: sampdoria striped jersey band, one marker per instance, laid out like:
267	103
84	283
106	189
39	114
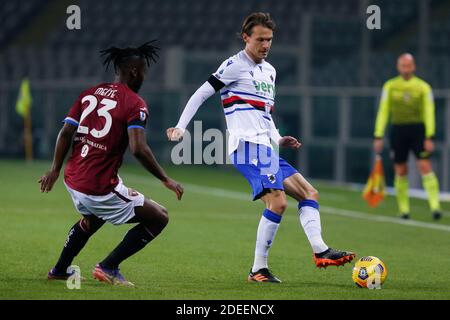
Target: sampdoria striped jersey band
247	91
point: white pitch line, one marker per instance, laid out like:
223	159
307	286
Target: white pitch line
378	218
235	195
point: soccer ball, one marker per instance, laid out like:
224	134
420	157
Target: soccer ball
369	272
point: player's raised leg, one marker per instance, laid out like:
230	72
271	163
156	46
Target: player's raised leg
152	218
276	204
300	189
77	238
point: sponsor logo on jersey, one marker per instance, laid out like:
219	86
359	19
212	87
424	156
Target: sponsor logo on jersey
264	87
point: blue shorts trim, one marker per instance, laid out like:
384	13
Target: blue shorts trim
263	168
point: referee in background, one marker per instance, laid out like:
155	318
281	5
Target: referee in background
409	104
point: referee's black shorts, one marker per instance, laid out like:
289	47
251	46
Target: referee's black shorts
405	138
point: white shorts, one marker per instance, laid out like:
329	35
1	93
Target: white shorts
116	207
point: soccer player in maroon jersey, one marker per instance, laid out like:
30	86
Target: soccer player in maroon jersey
100	125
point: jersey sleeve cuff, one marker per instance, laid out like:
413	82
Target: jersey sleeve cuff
71	121
134	126
137	124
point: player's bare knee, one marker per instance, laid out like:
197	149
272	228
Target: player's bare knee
313	194
86	226
163	216
401	169
278	206
90	224
283	206
425	167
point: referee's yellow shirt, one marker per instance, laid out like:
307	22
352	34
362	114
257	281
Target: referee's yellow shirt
406	102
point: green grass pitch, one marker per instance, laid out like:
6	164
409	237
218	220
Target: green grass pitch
207	248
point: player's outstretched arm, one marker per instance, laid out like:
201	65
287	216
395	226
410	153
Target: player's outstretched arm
62	147
140	149
196	100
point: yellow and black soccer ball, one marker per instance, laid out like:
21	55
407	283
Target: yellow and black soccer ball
369	272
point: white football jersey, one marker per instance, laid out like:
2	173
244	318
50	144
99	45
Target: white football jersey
248	99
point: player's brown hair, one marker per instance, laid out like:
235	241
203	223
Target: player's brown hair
257	19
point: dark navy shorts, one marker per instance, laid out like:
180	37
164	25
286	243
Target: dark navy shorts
406	138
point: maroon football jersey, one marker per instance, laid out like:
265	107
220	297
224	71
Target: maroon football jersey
102	115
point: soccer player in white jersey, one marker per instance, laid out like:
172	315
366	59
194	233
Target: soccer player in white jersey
246	82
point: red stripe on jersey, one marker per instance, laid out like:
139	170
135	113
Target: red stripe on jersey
254	103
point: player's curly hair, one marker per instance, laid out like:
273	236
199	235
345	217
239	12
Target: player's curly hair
118	56
257	19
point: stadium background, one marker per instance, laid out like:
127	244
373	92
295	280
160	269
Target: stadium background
330	69
330	72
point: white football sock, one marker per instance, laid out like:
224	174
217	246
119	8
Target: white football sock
267	229
310	221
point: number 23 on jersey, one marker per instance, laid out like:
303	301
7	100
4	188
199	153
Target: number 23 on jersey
106	105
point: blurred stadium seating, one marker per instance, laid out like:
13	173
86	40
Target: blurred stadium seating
212	25
61	62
